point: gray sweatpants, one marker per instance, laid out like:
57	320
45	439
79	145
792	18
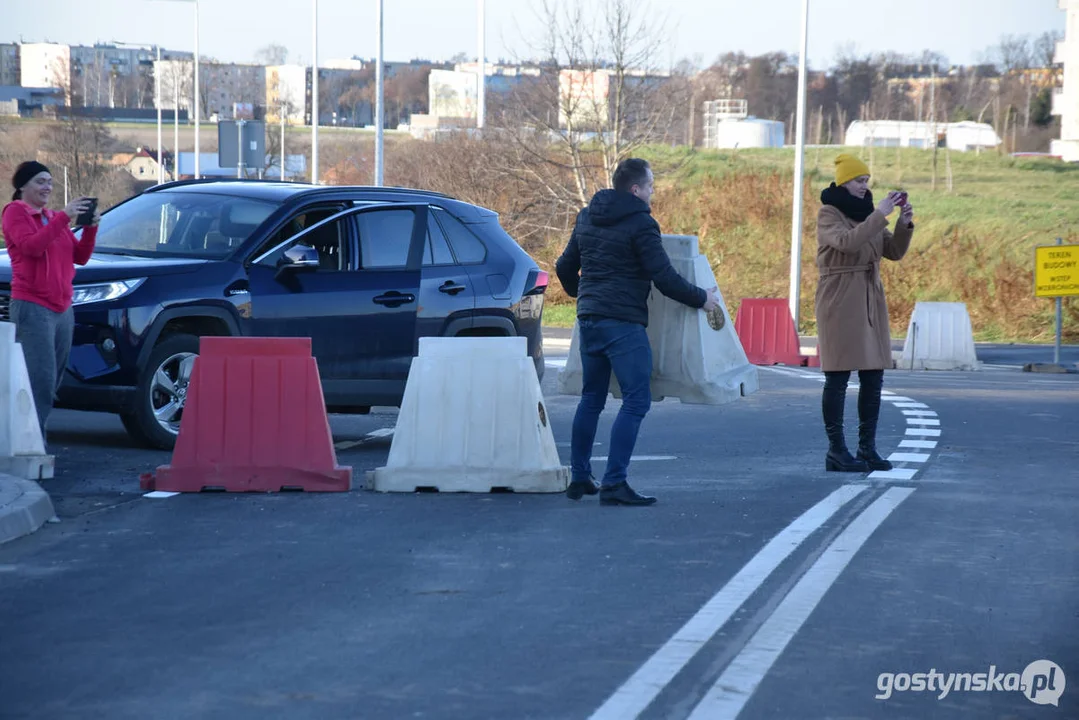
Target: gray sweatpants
45	337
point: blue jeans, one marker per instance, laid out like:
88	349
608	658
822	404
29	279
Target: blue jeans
622	347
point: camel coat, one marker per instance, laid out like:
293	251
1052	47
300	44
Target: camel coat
852	314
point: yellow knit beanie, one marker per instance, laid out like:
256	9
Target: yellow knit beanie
848	167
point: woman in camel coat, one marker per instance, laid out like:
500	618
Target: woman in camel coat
852	313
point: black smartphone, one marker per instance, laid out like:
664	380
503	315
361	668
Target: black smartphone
87	217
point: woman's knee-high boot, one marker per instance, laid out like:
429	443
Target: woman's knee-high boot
838	458
868	414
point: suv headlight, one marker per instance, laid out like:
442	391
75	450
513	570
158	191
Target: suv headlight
104	291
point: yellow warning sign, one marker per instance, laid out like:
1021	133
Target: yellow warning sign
1056	270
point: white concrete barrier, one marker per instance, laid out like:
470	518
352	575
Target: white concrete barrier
696	357
22	449
939	337
473	419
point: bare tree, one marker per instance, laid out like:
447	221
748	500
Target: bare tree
1045	48
1012	53
600	95
272	54
83	146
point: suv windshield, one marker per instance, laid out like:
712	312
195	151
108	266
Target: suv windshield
183	224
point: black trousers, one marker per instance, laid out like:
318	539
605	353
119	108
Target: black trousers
834	398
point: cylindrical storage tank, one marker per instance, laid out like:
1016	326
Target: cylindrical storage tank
750	133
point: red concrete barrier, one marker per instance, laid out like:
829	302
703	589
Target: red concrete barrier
255	421
766	329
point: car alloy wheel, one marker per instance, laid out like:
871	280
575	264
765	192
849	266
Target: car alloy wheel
168	390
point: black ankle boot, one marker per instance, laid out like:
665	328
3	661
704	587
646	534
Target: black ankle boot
872	458
838	458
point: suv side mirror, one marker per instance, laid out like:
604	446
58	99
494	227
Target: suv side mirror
296	258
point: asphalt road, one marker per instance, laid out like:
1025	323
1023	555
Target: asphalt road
760	586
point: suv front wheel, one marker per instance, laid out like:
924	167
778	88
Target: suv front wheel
162	392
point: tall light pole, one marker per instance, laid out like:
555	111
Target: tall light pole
197	109
799	171
481	89
314	94
157	102
378	99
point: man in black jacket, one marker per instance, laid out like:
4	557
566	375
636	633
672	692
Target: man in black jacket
614	255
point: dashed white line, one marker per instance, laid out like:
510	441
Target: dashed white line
908	457
636	458
924	432
912	405
922	421
920	413
730	693
894	474
644	685
920	444
160	494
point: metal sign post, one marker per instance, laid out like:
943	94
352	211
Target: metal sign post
241	167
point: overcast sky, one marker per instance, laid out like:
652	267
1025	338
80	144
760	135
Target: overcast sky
233	30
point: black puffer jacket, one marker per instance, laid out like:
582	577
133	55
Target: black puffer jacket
616	248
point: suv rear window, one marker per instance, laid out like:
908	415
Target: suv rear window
181	224
466	246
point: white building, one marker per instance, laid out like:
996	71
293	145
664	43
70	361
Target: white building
1066	99
728	125
287	89
960	136
45	65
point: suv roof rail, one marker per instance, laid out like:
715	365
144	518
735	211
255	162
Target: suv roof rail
306	187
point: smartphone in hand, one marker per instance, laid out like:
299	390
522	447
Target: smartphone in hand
87	217
902	199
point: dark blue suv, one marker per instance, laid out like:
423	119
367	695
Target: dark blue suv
363	271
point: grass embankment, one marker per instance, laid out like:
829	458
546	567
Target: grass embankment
974	244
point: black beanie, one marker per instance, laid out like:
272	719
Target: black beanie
24	174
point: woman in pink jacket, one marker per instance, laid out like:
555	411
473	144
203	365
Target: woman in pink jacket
43	252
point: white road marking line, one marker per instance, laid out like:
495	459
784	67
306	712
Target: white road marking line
740	680
924	432
634	458
160	494
789	372
643	686
918	405
894	474
920	413
922	421
555	362
908	457
373	435
920	444
886	392
897	398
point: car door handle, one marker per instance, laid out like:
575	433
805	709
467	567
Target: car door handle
395	299
451	288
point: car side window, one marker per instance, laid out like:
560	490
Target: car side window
437	251
468	248
329	240
385	237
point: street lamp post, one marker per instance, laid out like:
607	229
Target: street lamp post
197	109
157	102
314	94
481	89
378	98
799	171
